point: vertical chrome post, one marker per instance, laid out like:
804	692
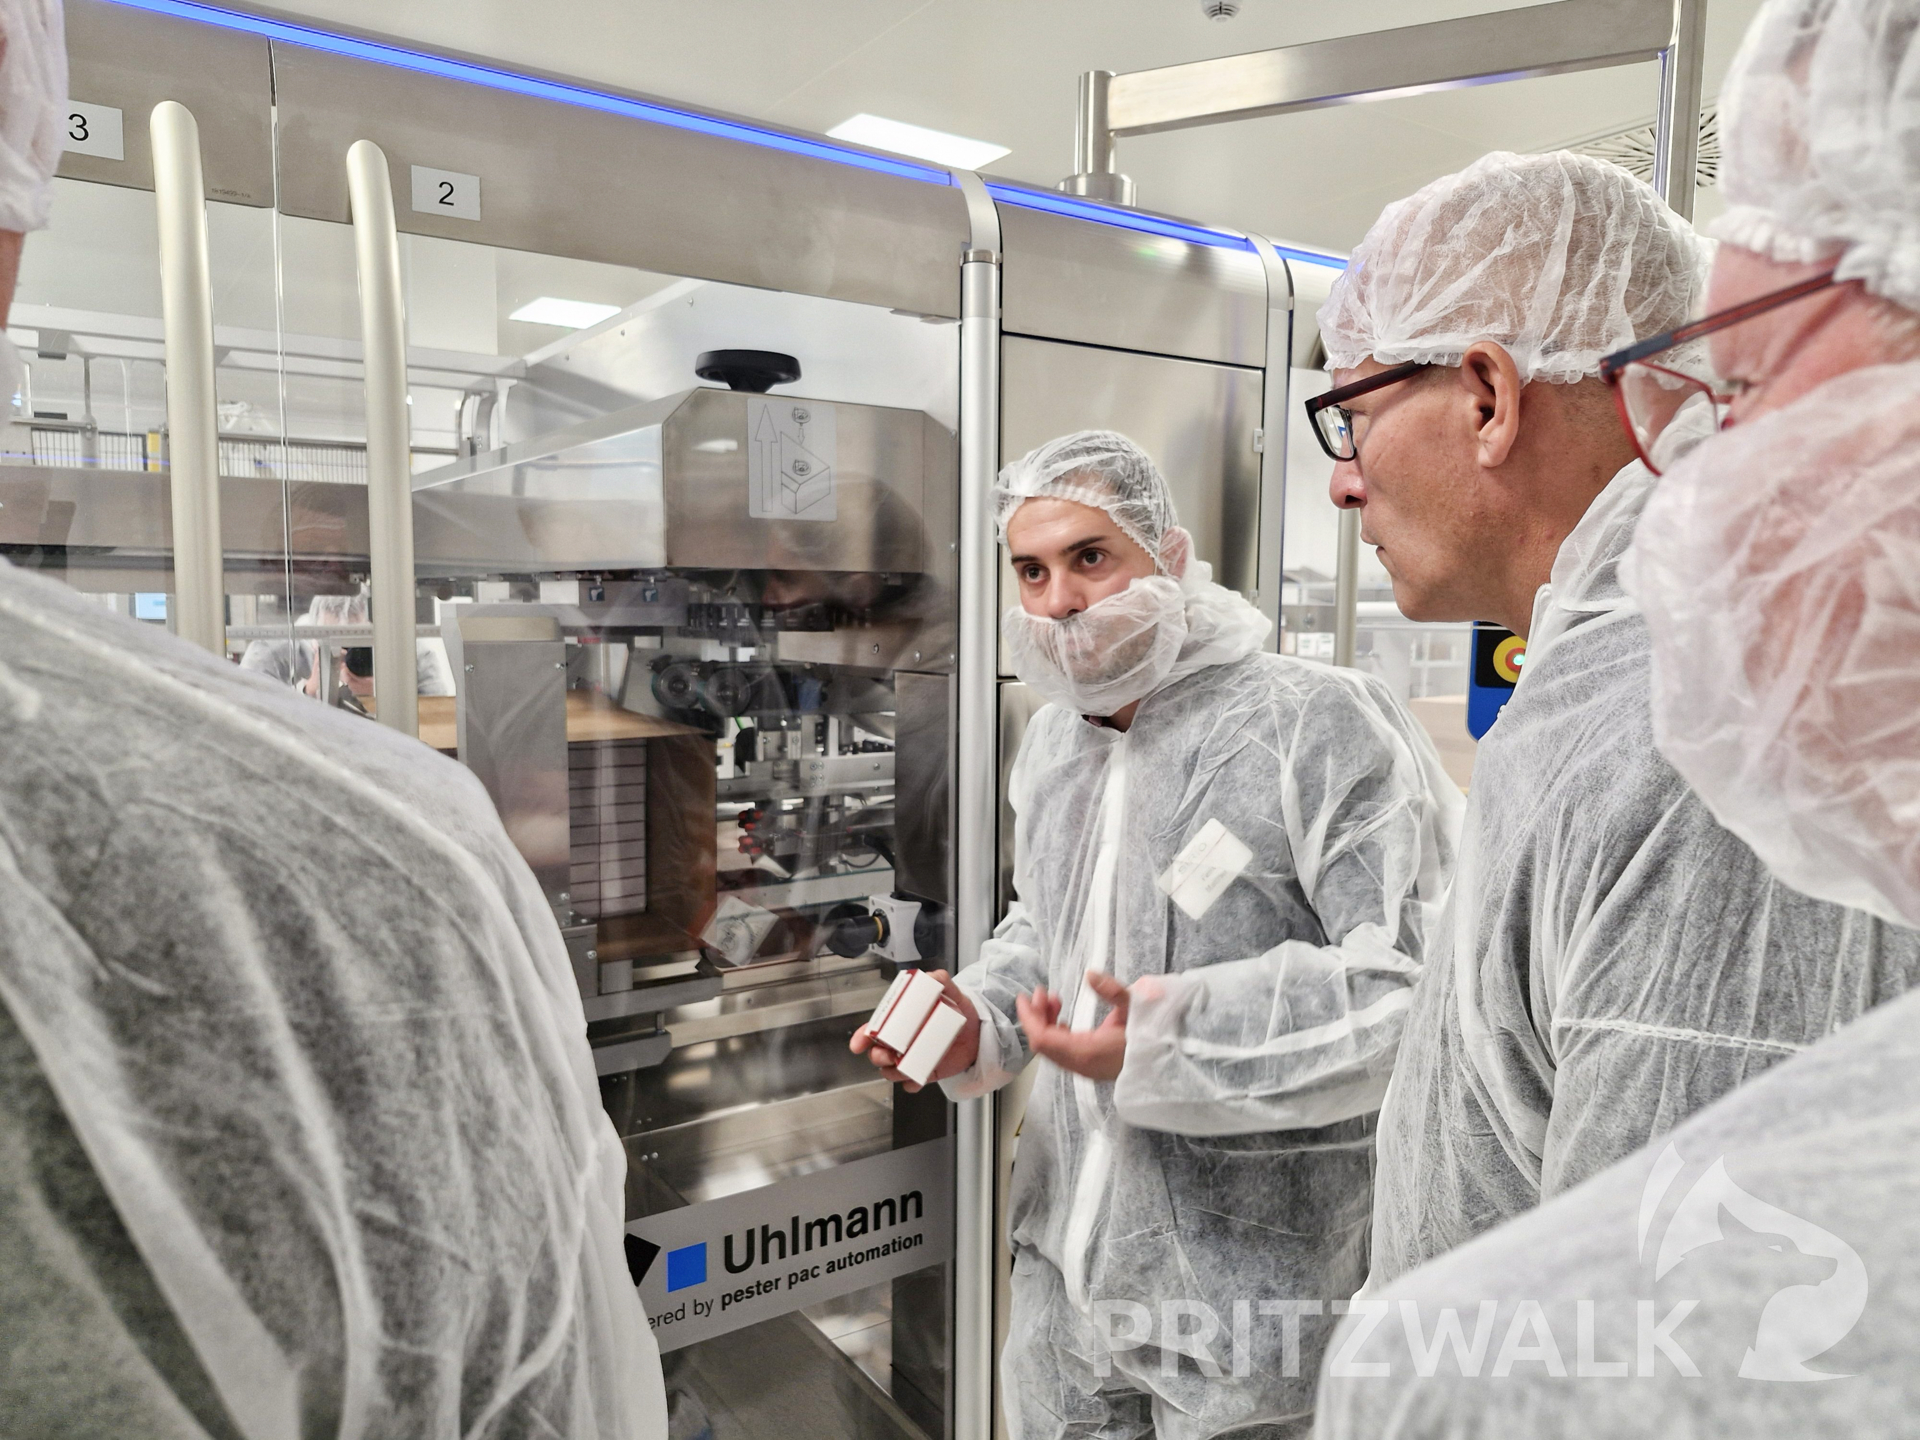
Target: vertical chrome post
1269	571
1093	154
1676	126
383	338
1093	139
1346	588
977	800
193	430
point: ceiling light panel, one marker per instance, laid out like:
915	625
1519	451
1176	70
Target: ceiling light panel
567	314
916	140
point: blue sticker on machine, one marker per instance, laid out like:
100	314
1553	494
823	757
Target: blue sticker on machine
687	1266
1498	656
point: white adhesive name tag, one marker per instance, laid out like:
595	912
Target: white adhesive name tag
936	1037
1200	873
910	1012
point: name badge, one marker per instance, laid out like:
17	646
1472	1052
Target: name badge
1200	873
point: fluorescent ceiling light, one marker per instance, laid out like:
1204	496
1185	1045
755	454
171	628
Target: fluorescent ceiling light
567	314
904	139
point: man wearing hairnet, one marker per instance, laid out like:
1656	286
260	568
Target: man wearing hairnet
1611	959
299	663
1225	862
267	1168
1772	1238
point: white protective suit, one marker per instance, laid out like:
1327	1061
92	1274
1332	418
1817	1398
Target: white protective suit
1770	1239
1231	1163
33	100
1610	959
291	662
299	1131
1780	566
33	132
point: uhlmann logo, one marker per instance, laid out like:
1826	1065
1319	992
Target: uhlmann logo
824	1230
784	1245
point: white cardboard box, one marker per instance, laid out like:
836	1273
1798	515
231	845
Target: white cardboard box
933	1041
910	1011
885	1007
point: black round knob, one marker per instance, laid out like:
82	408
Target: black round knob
755	371
852	938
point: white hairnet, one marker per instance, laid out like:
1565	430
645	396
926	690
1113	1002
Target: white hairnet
1106	470
1779	567
1820	140
33	103
1559	258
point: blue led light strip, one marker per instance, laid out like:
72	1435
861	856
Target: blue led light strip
466	70
474	74
1311	257
1055	203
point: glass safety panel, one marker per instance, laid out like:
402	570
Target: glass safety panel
85	475
696	637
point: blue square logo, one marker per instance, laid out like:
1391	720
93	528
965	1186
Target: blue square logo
686	1266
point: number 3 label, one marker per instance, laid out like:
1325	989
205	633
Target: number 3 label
94	130
446	192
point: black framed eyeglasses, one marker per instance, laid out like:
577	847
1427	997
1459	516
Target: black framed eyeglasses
1651	397
1333	423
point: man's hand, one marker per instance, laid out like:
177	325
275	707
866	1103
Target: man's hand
1096	1053
960	1055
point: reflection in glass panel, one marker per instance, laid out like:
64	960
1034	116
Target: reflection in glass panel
698	644
86	464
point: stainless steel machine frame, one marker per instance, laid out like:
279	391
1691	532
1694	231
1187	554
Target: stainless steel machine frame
1556	39
1182	333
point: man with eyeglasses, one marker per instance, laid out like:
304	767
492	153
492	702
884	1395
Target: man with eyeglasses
1773	1237
1610	958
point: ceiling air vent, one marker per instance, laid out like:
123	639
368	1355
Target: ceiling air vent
1632	150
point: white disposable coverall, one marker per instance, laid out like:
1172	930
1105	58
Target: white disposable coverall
1232	1160
1610	959
300	1131
1771	1238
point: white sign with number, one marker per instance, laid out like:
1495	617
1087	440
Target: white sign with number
94	130
446	192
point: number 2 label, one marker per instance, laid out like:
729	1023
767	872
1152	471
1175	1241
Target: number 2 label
94	130
446	192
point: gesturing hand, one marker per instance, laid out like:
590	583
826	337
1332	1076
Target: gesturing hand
1096	1053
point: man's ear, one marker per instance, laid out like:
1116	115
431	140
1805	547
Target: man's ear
1493	385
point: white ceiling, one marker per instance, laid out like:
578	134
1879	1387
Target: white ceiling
1006	71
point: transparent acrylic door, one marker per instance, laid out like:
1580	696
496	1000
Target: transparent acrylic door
719	731
84	481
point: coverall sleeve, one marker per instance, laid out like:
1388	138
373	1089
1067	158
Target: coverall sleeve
1304	1034
1011	964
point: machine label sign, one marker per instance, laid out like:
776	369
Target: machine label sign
708	1269
95	130
791	455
